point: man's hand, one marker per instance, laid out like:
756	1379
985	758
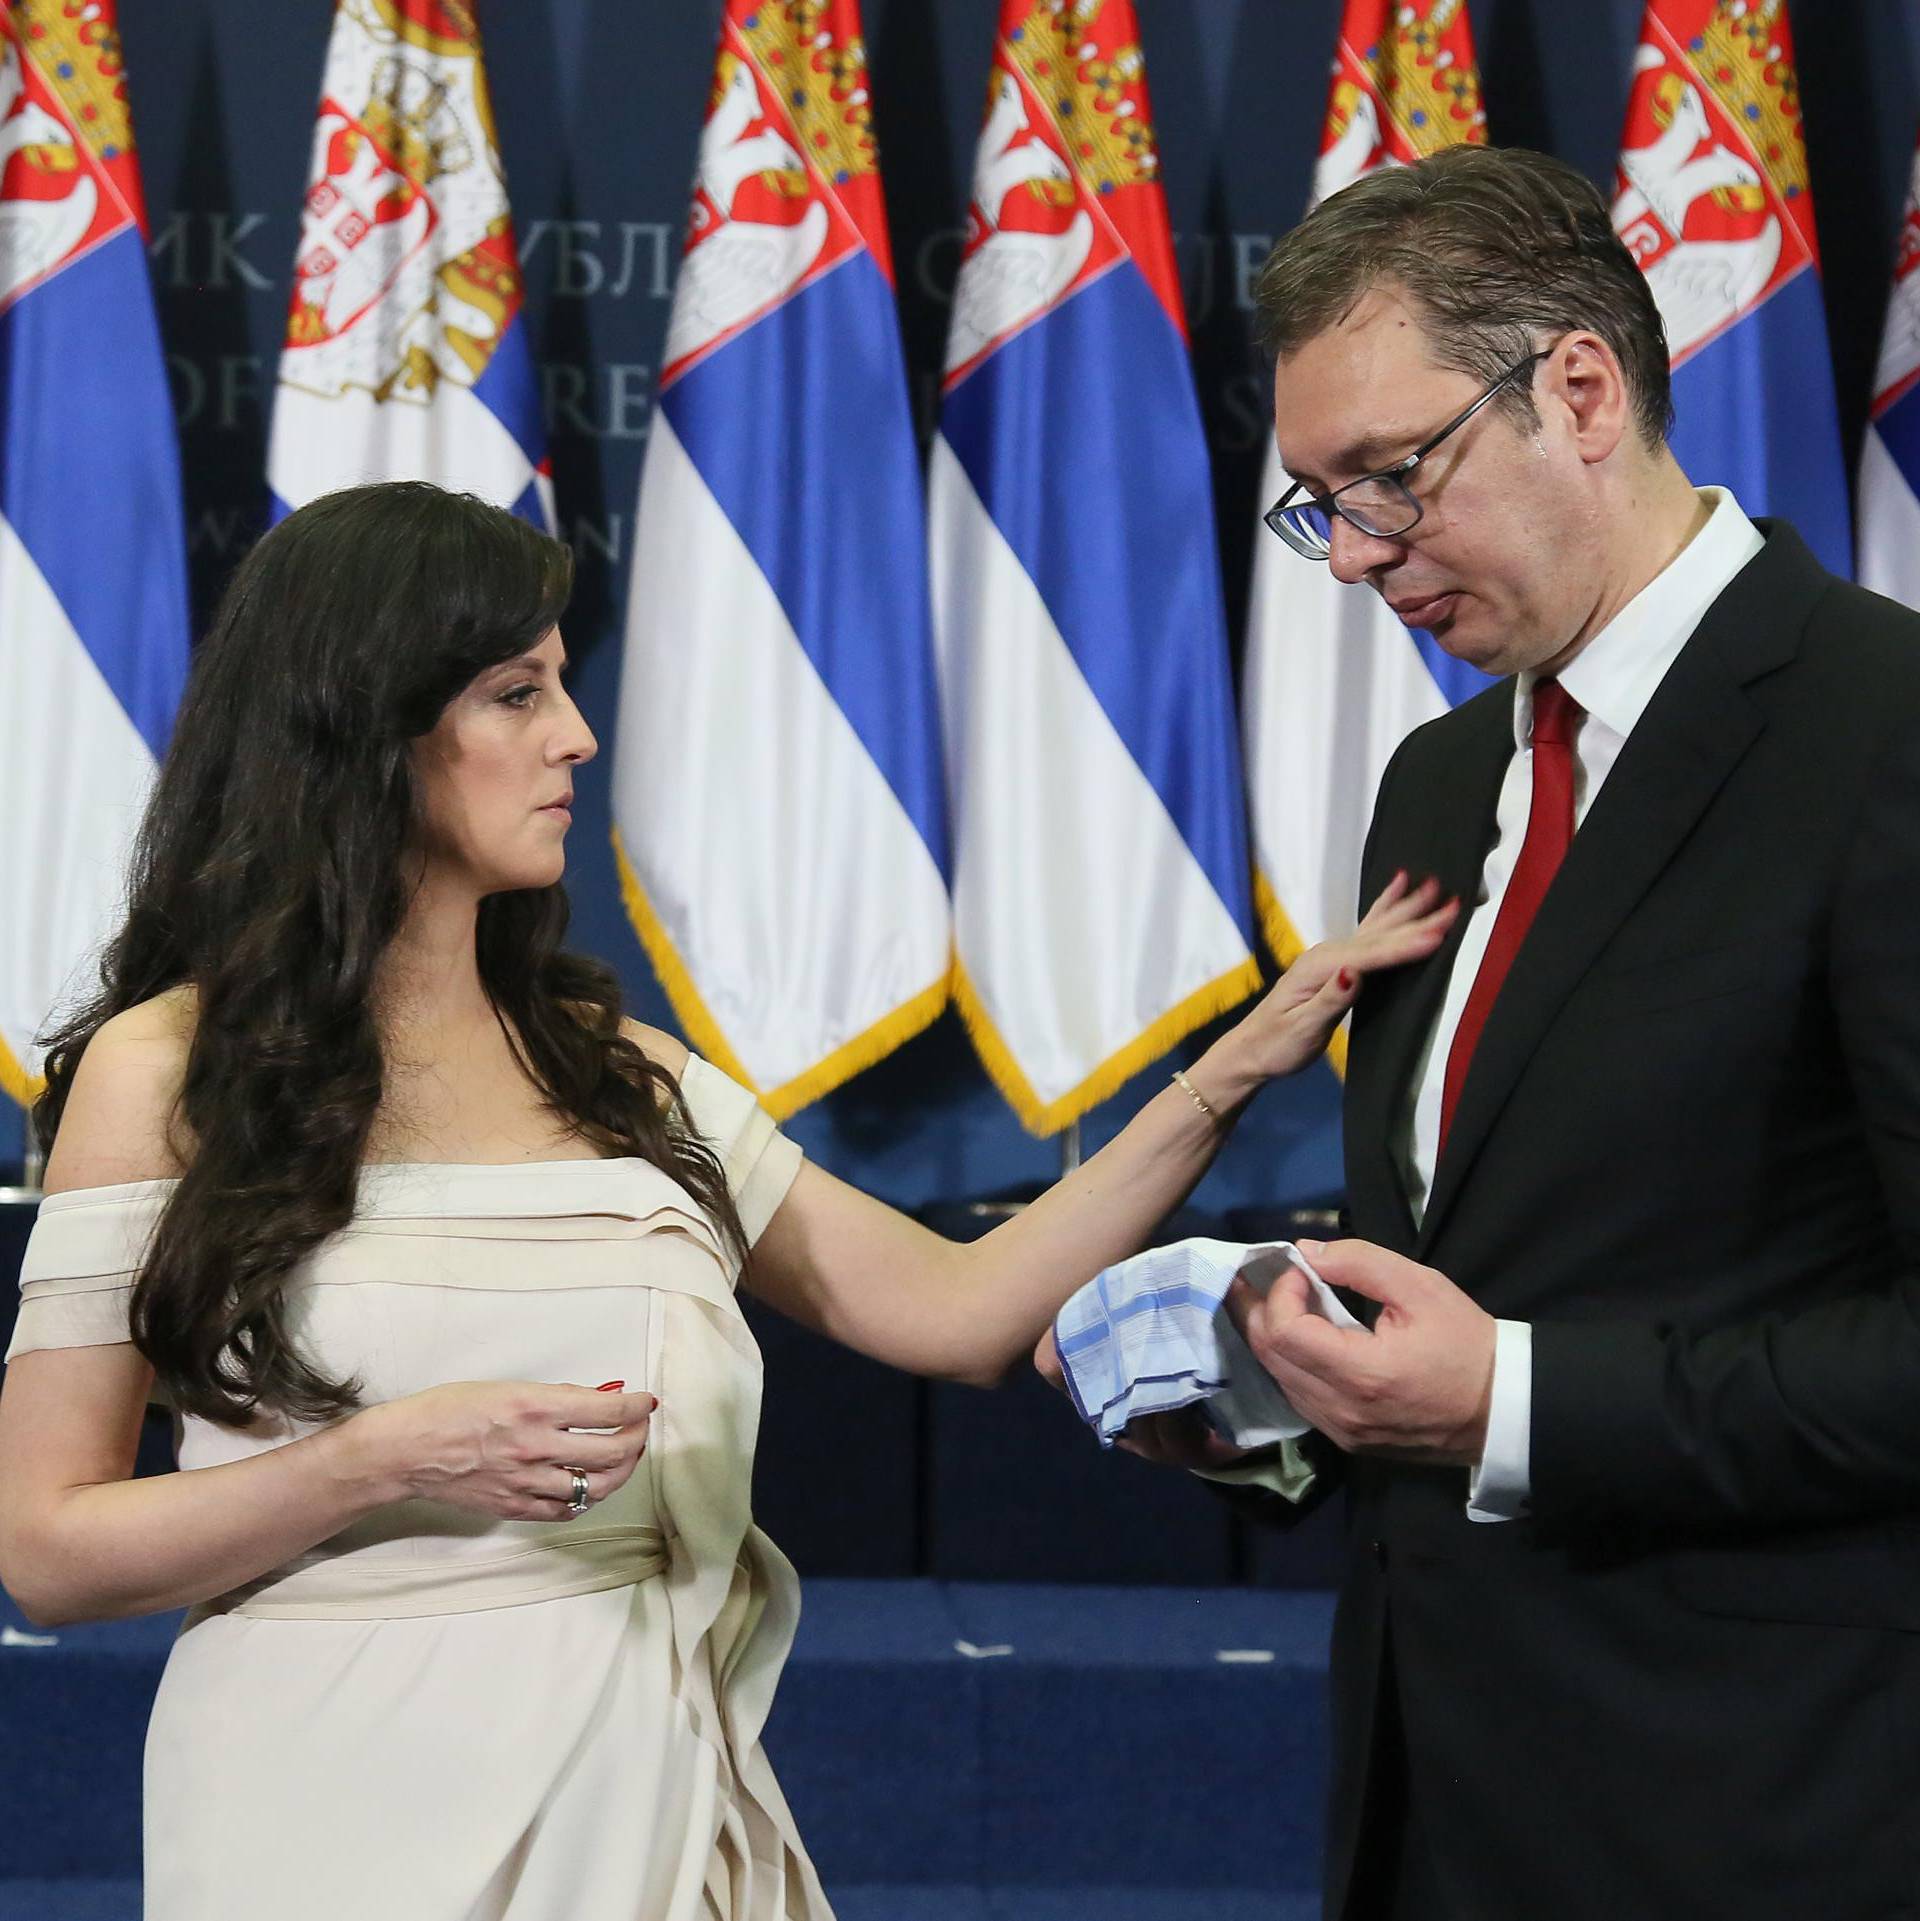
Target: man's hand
1180	1439
1417	1386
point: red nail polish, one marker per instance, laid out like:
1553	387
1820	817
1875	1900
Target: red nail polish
611	1387
1346	978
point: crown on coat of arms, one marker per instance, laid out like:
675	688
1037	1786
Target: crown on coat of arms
1430	96
1741	60
1095	95
822	80
447	28
412	116
1433	98
79	55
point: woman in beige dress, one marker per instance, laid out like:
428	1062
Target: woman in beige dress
433	1256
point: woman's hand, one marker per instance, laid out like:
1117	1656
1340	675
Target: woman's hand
505	1448
1290	1027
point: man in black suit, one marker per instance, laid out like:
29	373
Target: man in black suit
1631	1620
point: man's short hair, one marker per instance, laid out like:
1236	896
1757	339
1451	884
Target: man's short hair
1496	248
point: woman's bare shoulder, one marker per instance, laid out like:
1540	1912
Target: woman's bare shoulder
658	1045
120	1123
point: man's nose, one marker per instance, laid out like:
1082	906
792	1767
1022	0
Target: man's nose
1353	554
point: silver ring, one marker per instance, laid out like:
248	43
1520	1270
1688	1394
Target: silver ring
578	1503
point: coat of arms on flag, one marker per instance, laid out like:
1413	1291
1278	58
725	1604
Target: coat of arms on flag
1712	198
62	190
1711	195
1100	881
405	354
756	231
1035	230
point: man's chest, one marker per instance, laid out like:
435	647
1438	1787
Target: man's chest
1667	1006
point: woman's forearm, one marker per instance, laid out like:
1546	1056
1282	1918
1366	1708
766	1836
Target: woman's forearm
169	1540
1017	1277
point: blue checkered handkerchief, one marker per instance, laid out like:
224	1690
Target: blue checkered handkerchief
1149	1334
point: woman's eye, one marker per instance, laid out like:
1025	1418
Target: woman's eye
519	697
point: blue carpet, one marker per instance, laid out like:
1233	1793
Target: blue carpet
1072	1904
1090	1739
120	1901
70	1901
952	1752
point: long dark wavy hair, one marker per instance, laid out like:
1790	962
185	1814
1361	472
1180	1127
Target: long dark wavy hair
270	875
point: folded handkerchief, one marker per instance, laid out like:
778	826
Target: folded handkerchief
1151	1334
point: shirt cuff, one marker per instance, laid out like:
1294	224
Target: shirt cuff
1498	1488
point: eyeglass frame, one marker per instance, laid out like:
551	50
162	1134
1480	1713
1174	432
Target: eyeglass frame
1394	476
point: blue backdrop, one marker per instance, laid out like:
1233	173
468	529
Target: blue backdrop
599	104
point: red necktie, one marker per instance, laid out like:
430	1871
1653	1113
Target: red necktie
1549	832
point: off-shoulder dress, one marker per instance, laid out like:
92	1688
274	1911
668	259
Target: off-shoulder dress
435	1716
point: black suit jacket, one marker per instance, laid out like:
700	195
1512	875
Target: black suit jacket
1688	1152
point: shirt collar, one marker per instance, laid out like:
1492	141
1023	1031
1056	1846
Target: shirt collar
1616	673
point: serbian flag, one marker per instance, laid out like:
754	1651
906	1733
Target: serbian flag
93	592
1711	198
778	810
1890	454
1331	681
1100	870
406	355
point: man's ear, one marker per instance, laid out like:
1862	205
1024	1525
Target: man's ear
1583	374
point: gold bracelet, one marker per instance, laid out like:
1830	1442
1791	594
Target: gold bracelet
1180	1080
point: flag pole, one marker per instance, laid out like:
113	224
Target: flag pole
32	1165
1069	1149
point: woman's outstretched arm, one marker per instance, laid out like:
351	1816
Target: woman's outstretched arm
867	1275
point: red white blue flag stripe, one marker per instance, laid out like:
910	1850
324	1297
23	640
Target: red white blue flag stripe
1101	902
1890	454
779	807
93	594
1331	680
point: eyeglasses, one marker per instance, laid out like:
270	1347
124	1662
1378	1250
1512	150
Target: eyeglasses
1381	504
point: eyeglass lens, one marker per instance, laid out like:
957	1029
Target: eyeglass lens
1381	507
1306	527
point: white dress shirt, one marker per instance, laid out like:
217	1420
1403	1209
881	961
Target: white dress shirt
1613	678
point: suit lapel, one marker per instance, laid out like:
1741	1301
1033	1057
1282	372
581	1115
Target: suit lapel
1692	735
